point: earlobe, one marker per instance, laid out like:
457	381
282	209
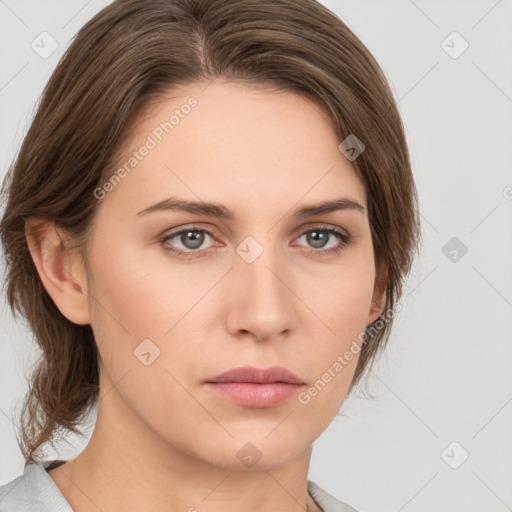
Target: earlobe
60	270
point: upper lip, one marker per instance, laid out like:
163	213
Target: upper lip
258	376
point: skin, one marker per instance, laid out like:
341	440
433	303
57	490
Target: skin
167	441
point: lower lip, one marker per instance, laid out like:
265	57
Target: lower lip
255	395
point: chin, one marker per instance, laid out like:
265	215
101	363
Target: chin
256	452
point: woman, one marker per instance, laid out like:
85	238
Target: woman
207	227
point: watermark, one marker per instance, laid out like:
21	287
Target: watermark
249	249
249	454
507	193
44	45
351	147
455	455
342	361
146	352
150	143
454	44
454	249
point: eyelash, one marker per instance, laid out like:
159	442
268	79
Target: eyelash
344	240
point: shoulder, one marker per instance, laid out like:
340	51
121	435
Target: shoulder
13	495
326	501
34	488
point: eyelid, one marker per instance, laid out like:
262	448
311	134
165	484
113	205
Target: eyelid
324	226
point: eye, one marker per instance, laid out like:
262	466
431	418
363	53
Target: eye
320	237
191	239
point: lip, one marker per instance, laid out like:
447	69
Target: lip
258	376
258	388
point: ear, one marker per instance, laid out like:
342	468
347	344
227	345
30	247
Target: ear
60	270
379	296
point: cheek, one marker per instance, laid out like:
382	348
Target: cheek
342	304
141	297
342	295
136	306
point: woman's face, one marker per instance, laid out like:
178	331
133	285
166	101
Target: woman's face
253	283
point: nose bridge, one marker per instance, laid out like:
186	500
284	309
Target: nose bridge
261	278
263	303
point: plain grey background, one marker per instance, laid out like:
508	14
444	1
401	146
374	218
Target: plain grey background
437	435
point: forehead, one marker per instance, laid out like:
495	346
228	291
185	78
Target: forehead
227	140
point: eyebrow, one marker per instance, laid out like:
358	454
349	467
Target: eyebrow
221	212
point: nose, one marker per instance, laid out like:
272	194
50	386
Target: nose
261	298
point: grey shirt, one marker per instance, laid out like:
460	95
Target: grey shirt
35	491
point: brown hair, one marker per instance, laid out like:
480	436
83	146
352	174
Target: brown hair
130	54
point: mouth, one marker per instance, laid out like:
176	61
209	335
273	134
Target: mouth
256	388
